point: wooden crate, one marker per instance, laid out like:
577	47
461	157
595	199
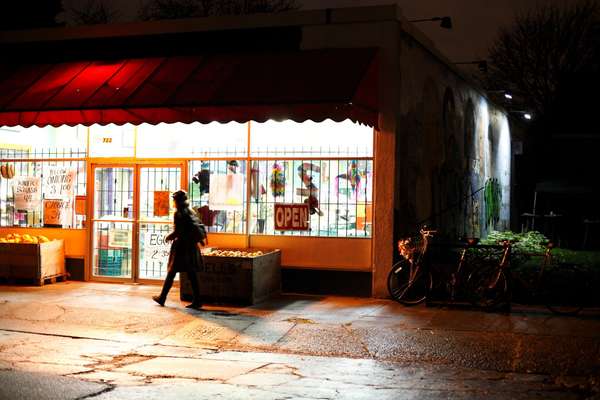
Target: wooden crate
31	262
237	280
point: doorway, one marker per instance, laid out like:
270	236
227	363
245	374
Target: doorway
132	214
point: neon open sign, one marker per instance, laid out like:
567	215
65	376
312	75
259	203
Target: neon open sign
291	217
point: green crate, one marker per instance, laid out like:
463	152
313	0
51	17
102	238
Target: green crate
110	262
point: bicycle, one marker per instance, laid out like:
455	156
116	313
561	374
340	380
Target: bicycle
547	287
410	280
558	285
488	282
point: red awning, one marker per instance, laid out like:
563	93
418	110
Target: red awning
315	84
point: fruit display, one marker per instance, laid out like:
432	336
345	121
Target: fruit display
25	238
7	171
233	253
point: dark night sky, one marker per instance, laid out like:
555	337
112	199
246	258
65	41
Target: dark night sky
475	21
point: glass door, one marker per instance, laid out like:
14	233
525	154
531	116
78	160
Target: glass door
133	213
156	184
113	222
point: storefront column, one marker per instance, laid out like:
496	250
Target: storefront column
383	218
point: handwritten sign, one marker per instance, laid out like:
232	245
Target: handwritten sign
57	211
155	247
161	203
119	238
28	195
58	182
291	217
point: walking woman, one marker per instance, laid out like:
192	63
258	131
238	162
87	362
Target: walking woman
185	253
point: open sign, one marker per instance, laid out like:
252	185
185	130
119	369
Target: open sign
292	217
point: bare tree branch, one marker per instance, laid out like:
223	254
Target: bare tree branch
544	51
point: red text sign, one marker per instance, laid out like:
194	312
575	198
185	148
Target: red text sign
291	217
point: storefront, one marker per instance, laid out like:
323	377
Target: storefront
109	186
350	113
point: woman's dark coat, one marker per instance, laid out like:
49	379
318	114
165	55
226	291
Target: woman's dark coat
185	252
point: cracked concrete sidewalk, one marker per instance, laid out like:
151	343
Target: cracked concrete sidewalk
110	341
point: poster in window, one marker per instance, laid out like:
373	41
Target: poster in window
161	203
57	212
155	247
119	238
59	182
226	192
80	205
28	195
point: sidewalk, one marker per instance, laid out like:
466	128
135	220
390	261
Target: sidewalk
114	340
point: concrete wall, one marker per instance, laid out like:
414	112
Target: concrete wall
439	138
451	142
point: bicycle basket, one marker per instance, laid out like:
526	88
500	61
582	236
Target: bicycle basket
410	248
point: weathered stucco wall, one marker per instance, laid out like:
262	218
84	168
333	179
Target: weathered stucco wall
453	150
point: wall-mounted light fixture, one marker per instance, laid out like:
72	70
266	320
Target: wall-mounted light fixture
481	64
507	95
525	114
445	22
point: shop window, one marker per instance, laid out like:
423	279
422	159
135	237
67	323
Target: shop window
338	192
43	193
217	190
193	140
324	139
43	143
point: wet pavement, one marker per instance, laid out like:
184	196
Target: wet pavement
78	340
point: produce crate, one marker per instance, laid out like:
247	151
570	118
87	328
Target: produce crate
33	262
237	280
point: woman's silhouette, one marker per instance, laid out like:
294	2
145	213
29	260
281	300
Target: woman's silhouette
185	253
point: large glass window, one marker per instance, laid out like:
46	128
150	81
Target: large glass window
310	139
43	176
193	140
236	174
217	191
338	192
40	143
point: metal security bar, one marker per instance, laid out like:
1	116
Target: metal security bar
113	197
157	179
338	192
45	153
112	256
10	215
154	251
222	181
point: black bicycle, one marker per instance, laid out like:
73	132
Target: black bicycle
410	279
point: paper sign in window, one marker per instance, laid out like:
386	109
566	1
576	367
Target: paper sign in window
161	203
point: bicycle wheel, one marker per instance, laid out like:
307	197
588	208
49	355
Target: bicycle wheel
564	291
405	290
487	287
